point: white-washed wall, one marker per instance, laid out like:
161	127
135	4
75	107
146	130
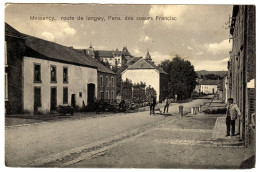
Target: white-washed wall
208	89
78	79
148	76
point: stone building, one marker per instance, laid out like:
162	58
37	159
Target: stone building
242	68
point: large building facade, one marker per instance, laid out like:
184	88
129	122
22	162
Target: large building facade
41	75
146	72
242	68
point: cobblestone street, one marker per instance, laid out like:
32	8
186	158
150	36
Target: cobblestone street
134	140
183	143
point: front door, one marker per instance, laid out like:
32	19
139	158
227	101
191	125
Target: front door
91	93
53	98
73	100
37	99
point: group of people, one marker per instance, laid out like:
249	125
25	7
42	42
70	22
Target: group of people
153	104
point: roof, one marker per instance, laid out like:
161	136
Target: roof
10	31
144	64
104	53
39	48
45	49
100	67
133	60
125	52
148	56
210	82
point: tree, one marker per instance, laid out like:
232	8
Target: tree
150	91
182	77
211	76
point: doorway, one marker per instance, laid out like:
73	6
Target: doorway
73	100
53	98
91	93
37	99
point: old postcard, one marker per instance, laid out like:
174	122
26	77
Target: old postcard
130	86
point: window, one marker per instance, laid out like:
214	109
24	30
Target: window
53	74
112	95
107	80
37	73
107	95
80	94
65	75
6	87
112	81
65	95
101	94
118	61
101	81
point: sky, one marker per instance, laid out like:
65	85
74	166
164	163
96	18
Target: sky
198	33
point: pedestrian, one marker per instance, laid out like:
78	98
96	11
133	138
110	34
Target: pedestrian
152	104
122	106
232	113
166	104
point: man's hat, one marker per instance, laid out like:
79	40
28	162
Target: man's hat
230	99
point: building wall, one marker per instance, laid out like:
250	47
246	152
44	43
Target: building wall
78	79
226	89
112	60
106	87
148	76
15	48
242	66
208	89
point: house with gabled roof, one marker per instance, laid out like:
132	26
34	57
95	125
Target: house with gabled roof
106	80
147	72
42	75
209	86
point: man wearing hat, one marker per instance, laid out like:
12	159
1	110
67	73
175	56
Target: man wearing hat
232	113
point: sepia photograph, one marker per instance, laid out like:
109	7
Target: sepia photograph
147	86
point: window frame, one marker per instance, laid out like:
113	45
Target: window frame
67	76
53	66
112	81
40	71
101	80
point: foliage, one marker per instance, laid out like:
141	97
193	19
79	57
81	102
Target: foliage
182	77
127	89
211	76
150	91
139	93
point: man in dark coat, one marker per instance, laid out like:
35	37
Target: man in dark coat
152	104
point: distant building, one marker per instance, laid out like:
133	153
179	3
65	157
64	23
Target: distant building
146	71
114	58
106	82
209	86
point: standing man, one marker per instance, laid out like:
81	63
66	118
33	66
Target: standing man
152	105
166	104
232	113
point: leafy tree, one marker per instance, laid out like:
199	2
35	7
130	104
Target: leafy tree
127	89
211	76
182	77
150	91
